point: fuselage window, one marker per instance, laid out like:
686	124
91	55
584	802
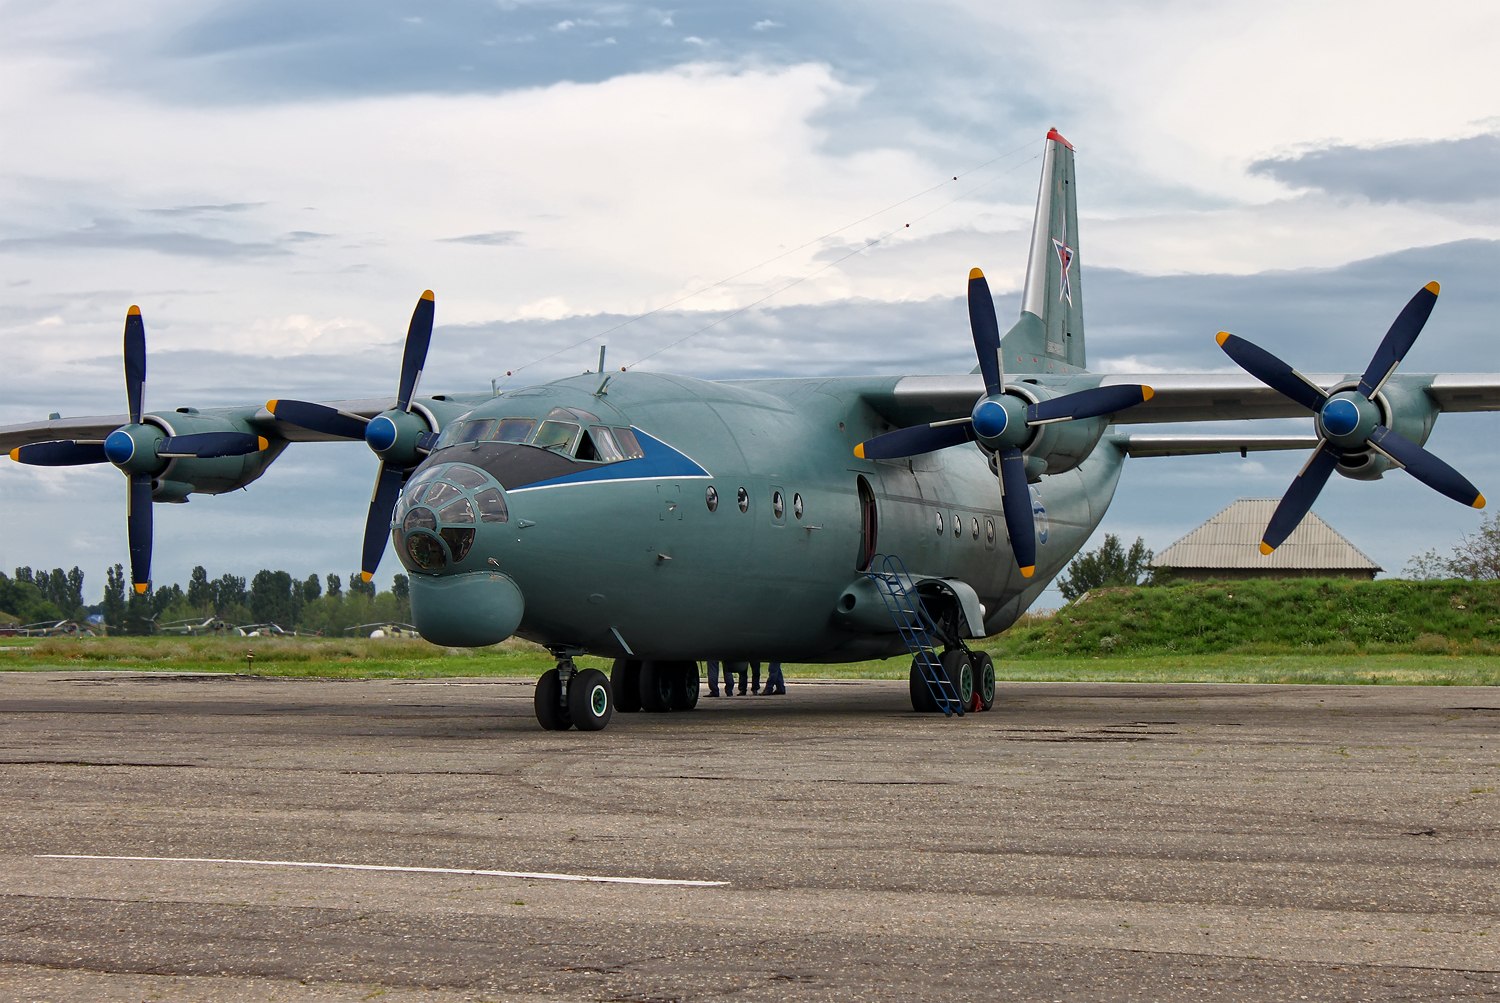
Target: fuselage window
458	540
989	530
461	511
778	504
465	476
629	445
975	528
440	494
744	500
797	505
492	507
958	526
557	436
940	523
711	496
514	429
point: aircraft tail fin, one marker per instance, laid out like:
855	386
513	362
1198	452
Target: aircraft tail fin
1049	335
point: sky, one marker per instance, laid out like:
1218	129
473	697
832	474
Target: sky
276	182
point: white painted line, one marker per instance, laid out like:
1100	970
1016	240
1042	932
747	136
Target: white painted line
532	875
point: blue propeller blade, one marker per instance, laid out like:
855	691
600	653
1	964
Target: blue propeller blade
986	331
318	418
60	453
1020	524
1088	403
1399	339
1299	498
378	523
1425	467
915	440
135	363
138	530
418	338
1272	371
206	445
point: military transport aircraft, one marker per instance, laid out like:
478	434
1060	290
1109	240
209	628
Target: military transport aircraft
661	520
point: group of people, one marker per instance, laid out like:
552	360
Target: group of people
775	684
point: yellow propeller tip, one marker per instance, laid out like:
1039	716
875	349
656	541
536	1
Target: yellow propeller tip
975	273
134	311
15	454
262	443
141	588
1433	287
1222	337
365	576
1478	500
427	295
1266	548
271	405
859	451
1028	571
1147	393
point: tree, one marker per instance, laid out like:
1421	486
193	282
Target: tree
24	601
1110	565
1476	557
312	588
200	592
335	587
114	599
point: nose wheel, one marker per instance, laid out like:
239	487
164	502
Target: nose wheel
568	697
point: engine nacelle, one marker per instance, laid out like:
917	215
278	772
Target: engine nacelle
1058	445
184	475
1405	410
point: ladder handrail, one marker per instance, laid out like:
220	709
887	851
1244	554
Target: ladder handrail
916	628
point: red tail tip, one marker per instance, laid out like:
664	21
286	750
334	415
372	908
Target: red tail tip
1053	134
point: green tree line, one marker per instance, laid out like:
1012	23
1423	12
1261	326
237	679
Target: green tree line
311	605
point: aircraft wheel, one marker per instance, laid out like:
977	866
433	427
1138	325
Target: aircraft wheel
657	685
550	712
960	674
590	702
685	693
921	696
625	681
984	680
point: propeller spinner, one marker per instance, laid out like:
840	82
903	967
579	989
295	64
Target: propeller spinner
398	436
1349	421
1002	423
140	450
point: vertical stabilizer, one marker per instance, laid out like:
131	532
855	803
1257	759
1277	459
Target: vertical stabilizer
1049	335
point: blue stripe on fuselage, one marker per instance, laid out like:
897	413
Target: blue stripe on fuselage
661	460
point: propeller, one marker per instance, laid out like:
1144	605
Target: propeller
140	450
398	436
1349	421
1002	423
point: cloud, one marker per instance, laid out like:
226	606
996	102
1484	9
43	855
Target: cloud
1444	170
495	238
116	234
204	210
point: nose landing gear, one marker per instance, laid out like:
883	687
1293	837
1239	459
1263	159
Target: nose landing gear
568	697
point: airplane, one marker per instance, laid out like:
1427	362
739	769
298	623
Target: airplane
662	521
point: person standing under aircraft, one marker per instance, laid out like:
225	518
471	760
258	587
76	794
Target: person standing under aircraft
775	682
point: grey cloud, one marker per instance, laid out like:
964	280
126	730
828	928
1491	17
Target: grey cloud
494	238
204	210
1449	170
113	234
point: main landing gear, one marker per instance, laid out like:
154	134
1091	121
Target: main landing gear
655	686
568	696
972	674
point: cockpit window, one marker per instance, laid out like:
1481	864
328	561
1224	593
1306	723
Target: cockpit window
599	444
477	431
465	476
440	493
492	507
461	511
629	444
514	429
556	435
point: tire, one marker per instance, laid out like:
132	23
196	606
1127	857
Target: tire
550	713
685	692
984	680
656	686
921	696
590	701
961	674
625	681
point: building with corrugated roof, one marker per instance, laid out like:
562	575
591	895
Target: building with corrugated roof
1228	546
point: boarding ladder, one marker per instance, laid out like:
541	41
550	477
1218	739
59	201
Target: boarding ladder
894	584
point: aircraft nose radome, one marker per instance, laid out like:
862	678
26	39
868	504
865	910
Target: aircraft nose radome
466	611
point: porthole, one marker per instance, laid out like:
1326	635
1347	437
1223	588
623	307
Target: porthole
797	505
778	504
711	496
989	530
975	527
744	500
940	523
958	526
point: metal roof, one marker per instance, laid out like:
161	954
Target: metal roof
1231	539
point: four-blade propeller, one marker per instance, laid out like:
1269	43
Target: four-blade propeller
1349	421
1003	423
140	450
398	436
